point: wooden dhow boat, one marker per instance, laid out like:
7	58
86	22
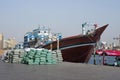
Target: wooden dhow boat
78	48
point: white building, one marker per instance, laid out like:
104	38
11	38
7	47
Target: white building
10	43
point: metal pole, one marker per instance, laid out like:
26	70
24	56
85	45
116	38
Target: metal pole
58	44
103	58
94	56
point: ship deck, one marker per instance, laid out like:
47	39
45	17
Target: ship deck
63	71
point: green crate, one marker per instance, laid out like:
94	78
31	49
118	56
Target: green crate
36	56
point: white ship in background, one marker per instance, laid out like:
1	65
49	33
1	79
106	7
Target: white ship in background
40	36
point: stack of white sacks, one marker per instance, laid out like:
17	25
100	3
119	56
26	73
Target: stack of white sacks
34	56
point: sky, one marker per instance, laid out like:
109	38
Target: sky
66	16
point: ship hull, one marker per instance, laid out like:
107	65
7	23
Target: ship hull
77	48
78	54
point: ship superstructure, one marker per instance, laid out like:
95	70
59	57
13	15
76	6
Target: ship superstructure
40	36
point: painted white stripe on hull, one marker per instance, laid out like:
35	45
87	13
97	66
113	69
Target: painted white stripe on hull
73	46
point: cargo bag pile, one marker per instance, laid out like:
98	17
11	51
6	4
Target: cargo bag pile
42	56
34	56
15	56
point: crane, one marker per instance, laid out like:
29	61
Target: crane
86	24
117	38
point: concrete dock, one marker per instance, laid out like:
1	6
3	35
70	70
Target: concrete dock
62	71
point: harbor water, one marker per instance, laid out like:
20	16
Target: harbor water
102	60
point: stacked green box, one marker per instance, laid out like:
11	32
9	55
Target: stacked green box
25	58
37	61
28	57
49	58
41	56
54	58
21	55
30	61
42	60
59	56
15	56
35	56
